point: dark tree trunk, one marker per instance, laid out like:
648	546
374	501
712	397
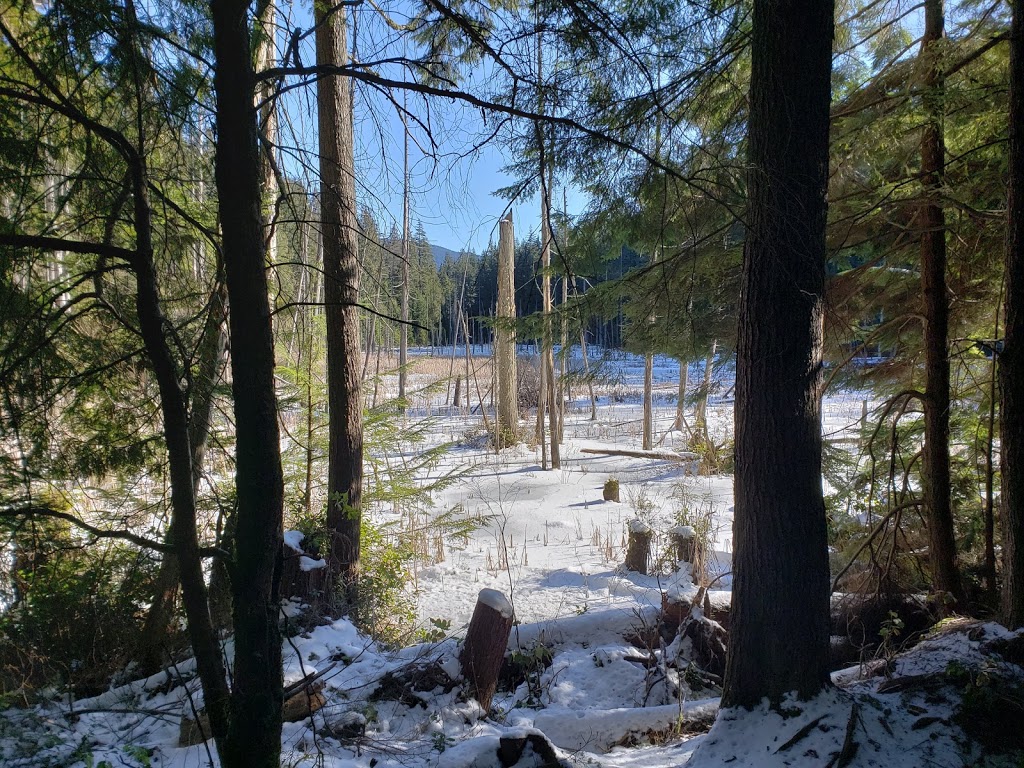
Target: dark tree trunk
936	482
254	736
780	612
152	326
161	612
154	331
341	284
1011	361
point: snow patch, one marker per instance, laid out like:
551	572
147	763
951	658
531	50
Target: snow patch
496	601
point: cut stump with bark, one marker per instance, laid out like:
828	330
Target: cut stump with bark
486	641
638	550
684	540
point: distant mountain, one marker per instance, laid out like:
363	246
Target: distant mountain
441	253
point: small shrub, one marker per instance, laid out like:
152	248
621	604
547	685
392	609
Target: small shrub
77	610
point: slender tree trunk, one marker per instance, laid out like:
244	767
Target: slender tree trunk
564	390
153	329
554	407
680	422
254	735
403	355
647	441
341	284
936	476
540	433
547	357
586	365
152	326
779	637
701	416
211	358
1011	360
265	33
507	417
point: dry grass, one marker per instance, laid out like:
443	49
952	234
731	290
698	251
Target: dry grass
439	367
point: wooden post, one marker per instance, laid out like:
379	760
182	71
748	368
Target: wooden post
486	641
638	551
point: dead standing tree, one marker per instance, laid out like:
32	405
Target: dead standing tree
507	427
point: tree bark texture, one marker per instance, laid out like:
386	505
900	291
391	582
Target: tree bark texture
507	426
780	611
936	477
254	734
341	282
1011	360
486	641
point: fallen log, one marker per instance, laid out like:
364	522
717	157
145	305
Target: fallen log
659	455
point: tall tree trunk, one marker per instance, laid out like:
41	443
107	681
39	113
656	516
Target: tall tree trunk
936	478
254	735
152	326
341	284
403	354
1011	360
564	389
547	358
680	421
647	440
507	416
174	410
779	638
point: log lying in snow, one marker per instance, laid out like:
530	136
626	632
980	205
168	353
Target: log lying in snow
660	455
486	640
601	729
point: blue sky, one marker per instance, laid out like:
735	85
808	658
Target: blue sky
452	181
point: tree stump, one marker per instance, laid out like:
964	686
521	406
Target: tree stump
684	537
638	550
303	573
486	641
611	490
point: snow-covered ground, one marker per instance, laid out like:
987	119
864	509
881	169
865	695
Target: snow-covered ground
594	676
